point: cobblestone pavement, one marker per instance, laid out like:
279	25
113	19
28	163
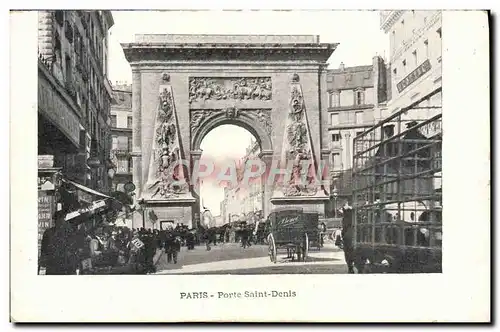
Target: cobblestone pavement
231	258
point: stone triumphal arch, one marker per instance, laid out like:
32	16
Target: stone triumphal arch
185	85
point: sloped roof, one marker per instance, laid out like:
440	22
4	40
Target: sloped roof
350	78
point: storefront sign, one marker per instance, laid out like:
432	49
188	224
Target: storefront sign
96	205
431	129
45	212
138	243
54	107
414	75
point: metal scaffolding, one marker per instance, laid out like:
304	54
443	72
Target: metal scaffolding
397	196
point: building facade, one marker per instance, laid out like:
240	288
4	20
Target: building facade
359	97
416	65
415	57
121	135
356	97
74	95
244	200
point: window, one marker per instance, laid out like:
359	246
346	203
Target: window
404	66
334	118
78	43
359	117
129	144
388	131
122	143
69	77
393	40
360	98
426	48
336	161
335	137
113	120
336	99
395	71
415	59
439	32
59	15
129	122
57	44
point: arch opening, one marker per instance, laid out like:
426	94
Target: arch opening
259	133
226	191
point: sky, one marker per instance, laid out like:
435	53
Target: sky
212	193
357	32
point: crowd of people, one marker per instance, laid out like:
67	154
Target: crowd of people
79	248
83	247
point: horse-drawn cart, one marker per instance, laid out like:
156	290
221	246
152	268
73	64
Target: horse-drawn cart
291	229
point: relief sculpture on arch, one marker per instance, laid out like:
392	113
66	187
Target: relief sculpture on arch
238	88
164	175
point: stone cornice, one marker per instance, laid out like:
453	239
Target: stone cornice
351	126
124	130
227	67
320	53
350	108
392	18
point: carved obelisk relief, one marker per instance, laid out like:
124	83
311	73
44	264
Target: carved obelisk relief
297	147
165	174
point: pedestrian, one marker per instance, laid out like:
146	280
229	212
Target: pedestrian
58	248
190	239
149	251
172	245
348	235
245	242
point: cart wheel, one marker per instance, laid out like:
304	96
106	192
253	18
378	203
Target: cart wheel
272	248
306	248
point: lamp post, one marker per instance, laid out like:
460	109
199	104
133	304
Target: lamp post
335	194
143	210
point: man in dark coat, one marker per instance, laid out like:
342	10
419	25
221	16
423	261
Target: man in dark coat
348	235
149	250
172	245
58	249
190	239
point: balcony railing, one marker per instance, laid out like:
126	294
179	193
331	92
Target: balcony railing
120	152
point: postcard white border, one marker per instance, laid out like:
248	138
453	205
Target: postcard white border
461	293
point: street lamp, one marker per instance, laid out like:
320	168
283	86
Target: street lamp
142	208
335	194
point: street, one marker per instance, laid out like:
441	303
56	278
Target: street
231	258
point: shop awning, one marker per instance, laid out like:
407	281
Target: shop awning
86	189
94	207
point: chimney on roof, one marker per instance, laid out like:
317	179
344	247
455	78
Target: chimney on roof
342	66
